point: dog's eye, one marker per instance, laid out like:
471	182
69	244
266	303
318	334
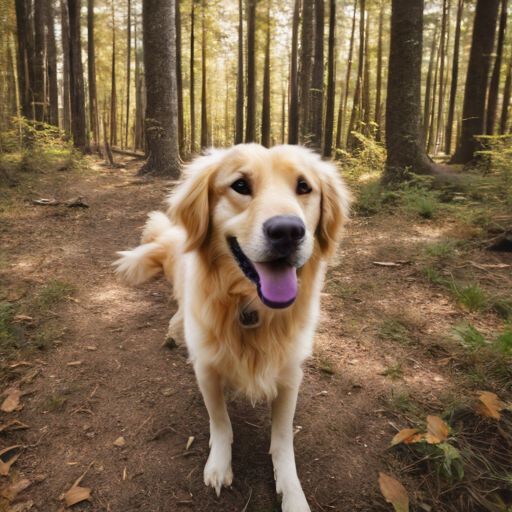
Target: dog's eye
303	188
242	187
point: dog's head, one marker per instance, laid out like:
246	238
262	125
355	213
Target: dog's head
268	209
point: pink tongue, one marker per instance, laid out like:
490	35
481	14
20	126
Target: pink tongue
278	282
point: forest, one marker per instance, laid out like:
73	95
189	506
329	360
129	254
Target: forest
406	404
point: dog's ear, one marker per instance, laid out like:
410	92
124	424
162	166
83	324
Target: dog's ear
189	204
335	207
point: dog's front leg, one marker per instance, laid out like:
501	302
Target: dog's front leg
217	471
281	445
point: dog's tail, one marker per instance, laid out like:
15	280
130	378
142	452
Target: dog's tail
147	260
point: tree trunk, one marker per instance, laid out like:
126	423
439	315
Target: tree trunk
66	72
431	131
179	82
507	90
473	110
128	69
351	140
378	100
159	42
265	115
39	67
204	113
331	83
366	79
455	78
78	125
24	85
403	106
492	102
192	85
293	108
91	68
428	89
138	94
53	117
113	94
12	106
306	45
250	134
283	113
317	81
239	122
444	46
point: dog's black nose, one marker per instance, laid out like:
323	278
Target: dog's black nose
284	233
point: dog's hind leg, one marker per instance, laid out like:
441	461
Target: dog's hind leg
217	471
281	445
175	334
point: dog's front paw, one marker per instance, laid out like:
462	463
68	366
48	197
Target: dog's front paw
295	501
217	471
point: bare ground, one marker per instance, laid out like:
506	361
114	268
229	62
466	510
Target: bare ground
126	384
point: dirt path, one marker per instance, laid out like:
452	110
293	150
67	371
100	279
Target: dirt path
125	384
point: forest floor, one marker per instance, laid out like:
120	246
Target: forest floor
87	355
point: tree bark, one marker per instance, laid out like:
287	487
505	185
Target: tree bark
492	102
507	90
53	114
66	72
378	100
250	127
24	85
317	82
128	69
403	106
78	125
91	68
444	46
306	45
265	115
39	67
293	108
138	94
192	84
473	110
331	83
351	140
113	94
159	41
204	113
431	131
366	80
455	78
428	89
179	82
239	121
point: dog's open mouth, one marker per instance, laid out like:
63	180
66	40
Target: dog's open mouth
275	280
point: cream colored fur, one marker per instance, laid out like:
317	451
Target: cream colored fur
190	245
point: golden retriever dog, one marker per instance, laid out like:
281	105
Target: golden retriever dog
245	243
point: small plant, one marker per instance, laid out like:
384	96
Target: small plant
394	372
472	296
395	330
504	340
470	336
433	276
55	403
54	292
8	339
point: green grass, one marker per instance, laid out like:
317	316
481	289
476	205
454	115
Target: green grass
504	340
54	292
394	372
395	330
55	403
472	296
8	330
470	336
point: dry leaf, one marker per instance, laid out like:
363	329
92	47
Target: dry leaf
404	436
394	492
14	489
7	459
21	507
22	318
12	401
120	441
189	442
77	494
415	439
12	425
492	405
437	428
431	438
21	363
75	363
386	264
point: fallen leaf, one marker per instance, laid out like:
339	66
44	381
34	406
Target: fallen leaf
394	492
22	318
21	507
189	442
21	363
415	439
492	405
12	425
75	363
386	263
12	401
404	436
120	441
14	489
7	459
437	428
431	438
77	494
